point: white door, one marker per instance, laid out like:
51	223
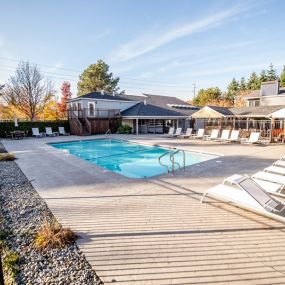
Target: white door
91	107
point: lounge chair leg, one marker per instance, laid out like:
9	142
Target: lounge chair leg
204	196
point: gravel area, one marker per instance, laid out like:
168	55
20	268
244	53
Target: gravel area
22	214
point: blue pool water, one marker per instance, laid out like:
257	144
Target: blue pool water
128	159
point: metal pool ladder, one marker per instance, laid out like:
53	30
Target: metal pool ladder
172	160
108	133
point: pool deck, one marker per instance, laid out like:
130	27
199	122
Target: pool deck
156	231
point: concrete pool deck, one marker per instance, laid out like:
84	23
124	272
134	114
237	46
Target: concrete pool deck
156	231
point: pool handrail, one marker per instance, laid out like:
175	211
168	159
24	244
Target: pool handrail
162	164
172	159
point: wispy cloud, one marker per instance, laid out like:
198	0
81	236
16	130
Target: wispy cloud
152	41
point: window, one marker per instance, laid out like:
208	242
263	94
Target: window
254	103
91	109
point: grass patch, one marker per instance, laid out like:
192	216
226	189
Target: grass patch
7	157
53	235
10	263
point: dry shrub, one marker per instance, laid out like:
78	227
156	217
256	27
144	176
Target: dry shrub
53	235
7	157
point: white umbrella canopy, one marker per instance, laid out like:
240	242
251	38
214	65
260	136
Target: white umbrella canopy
15	121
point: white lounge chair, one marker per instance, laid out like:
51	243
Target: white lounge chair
270	187
280	163
62	132
275	169
249	196
225	136
36	133
178	132
253	138
199	135
271	177
214	135
187	134
170	132
234	136
50	133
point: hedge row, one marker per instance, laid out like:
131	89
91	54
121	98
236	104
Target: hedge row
27	126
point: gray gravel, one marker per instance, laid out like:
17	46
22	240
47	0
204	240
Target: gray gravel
23	212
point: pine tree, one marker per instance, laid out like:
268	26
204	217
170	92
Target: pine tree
282	77
263	76
253	82
97	78
242	84
271	73
233	88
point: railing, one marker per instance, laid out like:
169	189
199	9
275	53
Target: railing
87	124
98	113
172	159
162	164
78	127
108	133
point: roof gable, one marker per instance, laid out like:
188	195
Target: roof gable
212	112
149	110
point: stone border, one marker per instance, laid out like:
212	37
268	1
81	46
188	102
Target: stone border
23	212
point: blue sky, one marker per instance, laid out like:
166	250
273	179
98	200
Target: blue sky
154	46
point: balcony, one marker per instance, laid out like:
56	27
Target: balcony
96	113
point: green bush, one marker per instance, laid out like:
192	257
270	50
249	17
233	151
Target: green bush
7	157
125	129
27	126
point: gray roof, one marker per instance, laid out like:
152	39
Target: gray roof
222	110
256	93
256	111
106	96
142	110
165	102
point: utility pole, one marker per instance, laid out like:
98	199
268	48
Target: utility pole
194	90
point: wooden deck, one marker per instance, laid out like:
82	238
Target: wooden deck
157	231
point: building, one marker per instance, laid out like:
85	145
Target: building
268	120
97	112
269	94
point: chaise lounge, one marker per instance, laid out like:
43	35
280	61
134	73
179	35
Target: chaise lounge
250	196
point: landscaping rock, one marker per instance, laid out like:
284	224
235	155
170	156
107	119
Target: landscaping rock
23	213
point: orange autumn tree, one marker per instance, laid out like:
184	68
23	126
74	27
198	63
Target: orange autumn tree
51	111
65	95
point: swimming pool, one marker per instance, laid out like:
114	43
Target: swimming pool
129	159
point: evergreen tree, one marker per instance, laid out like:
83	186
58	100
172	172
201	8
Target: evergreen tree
97	78
253	82
282	77
263	76
242	84
271	73
233	88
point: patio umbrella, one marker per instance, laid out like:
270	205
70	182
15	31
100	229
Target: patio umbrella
15	120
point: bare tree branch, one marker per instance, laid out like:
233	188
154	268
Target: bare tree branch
27	90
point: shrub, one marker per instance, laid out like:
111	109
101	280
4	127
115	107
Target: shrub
7	157
27	126
3	235
10	263
53	235
125	129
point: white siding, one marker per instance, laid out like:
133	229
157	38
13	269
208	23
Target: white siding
272	100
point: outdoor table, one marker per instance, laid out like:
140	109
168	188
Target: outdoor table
17	134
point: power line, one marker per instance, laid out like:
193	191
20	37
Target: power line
124	78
